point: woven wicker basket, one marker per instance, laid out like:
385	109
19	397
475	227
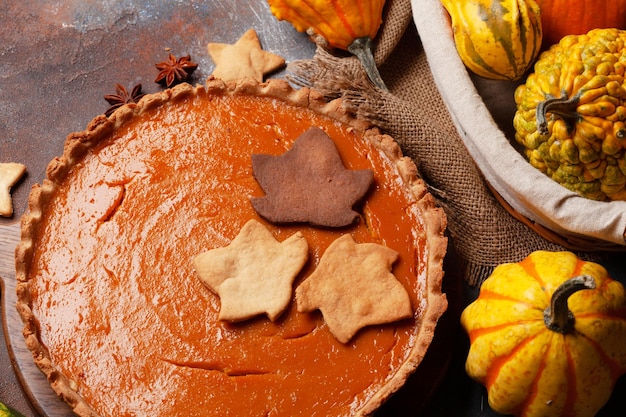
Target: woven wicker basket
482	111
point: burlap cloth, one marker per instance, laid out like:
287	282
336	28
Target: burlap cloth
482	232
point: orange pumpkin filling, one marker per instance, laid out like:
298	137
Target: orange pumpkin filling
122	312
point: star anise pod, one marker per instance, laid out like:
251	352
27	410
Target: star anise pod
174	71
122	97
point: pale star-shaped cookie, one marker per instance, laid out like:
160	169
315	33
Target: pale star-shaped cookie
244	59
353	287
254	274
10	173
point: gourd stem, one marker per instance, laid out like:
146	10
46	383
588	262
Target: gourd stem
561	106
362	49
558	317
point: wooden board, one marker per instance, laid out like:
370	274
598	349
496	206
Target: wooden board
42	397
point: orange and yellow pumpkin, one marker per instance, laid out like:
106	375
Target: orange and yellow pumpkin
345	24
340	22
547	336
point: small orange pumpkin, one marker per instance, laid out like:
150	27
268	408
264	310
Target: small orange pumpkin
576	17
547	336
345	24
340	22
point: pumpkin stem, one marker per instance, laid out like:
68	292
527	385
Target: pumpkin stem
362	49
561	106
558	317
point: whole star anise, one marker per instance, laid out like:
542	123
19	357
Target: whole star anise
122	97
174	71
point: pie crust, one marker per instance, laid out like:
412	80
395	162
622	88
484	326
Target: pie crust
36	301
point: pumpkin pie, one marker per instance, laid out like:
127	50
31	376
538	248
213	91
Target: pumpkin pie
117	313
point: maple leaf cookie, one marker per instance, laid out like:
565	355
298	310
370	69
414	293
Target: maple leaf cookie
254	274
353	287
309	183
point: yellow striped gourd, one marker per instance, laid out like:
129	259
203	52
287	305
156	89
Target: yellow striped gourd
547	336
496	39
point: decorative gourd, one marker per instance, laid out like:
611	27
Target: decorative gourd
345	24
536	357
496	39
576	17
6	411
571	114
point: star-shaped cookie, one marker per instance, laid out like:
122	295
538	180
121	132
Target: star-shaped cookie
10	173
244	59
255	273
353	287
309	183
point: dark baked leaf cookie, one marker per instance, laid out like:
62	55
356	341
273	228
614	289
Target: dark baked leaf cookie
309	183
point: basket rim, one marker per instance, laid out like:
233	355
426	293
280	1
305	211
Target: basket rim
572	242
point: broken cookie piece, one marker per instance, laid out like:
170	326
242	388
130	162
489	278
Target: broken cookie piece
255	273
353	287
10	173
309	183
